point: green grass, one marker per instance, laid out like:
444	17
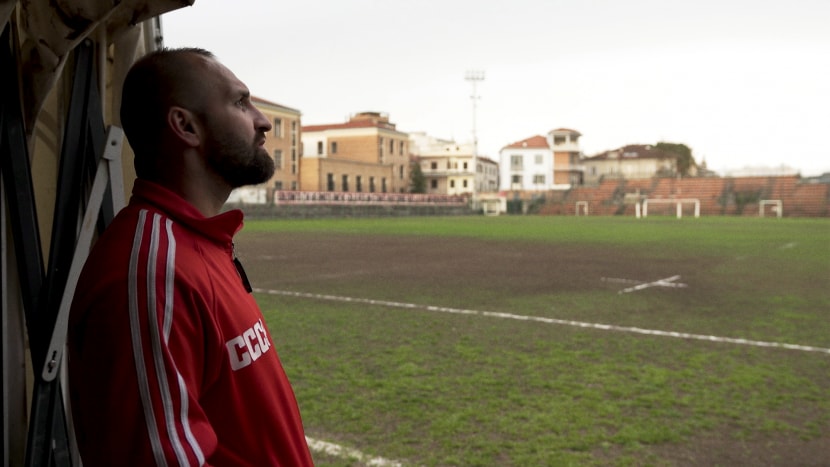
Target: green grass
442	389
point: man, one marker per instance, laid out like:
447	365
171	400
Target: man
170	362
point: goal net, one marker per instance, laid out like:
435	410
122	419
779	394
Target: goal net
678	202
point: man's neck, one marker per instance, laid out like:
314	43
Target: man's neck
205	191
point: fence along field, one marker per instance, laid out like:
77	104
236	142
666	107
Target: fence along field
361	312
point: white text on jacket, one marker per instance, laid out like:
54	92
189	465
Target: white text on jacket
247	347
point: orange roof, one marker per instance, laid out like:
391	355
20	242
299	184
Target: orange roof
532	142
340	126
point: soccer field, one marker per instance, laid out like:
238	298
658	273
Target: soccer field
517	341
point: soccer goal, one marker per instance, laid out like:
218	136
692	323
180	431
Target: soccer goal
679	202
776	207
493	205
584	206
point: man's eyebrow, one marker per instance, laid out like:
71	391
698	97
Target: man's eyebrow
242	93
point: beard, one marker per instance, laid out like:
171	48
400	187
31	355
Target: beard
238	162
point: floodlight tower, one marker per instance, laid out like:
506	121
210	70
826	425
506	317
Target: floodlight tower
474	77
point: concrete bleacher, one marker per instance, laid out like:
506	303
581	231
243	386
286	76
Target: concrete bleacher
740	196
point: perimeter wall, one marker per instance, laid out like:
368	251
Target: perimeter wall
739	196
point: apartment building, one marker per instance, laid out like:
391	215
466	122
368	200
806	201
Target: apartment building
448	166
283	143
541	163
365	154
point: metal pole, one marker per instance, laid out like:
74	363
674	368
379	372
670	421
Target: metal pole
474	76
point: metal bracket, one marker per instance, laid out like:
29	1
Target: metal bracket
109	170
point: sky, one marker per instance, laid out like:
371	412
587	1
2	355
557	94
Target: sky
743	83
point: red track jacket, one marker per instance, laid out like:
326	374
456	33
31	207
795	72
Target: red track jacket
170	361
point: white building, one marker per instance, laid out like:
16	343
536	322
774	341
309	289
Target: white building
526	165
448	166
541	163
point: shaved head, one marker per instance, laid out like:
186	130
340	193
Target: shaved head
156	82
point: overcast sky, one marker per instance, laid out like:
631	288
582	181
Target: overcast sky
741	82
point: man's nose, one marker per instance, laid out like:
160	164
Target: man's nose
261	122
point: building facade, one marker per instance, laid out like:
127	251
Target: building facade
283	143
631	162
448	166
566	157
542	163
365	154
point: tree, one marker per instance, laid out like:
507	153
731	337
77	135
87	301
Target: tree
685	160
417	180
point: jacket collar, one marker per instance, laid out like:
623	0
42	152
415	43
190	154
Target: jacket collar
219	228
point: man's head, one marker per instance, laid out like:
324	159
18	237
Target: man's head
179	100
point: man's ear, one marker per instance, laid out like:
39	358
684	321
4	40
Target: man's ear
185	126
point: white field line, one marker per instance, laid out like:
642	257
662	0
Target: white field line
348	453
667	282
615	280
540	319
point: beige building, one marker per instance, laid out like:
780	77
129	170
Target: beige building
448	166
283	142
366	154
630	162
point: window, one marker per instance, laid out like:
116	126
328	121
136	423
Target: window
433	165
516	162
516	179
278	127
540	159
402	146
330	182
400	172
278	159
319	148
391	146
464	183
538	179
334	147
371	184
465	166
433	183
278	185
358	183
294	186
345	185
383	185
452	183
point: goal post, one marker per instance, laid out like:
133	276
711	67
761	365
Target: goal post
679	202
777	207
492	204
490	207
583	205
